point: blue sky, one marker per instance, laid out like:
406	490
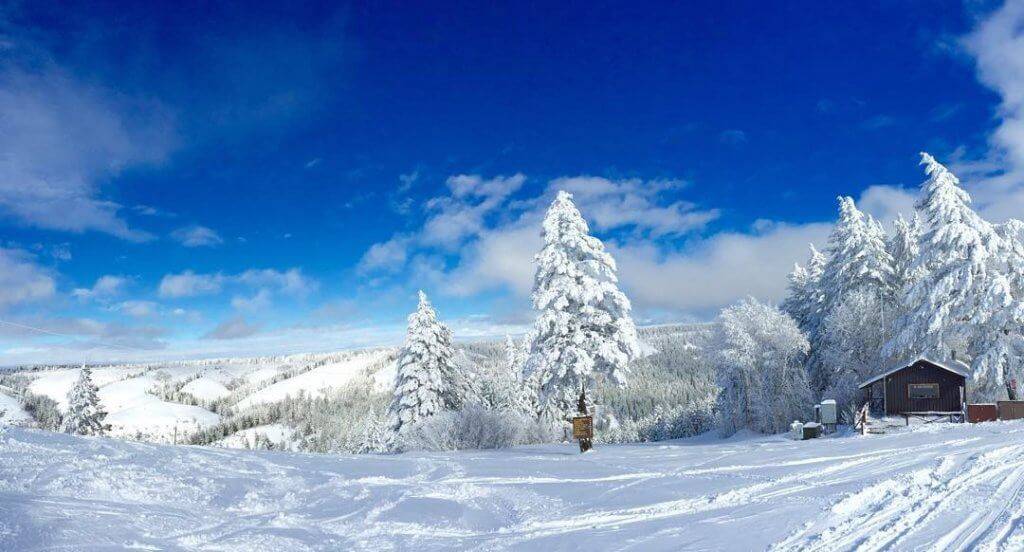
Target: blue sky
182	179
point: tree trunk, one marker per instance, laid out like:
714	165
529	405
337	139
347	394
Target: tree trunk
585	443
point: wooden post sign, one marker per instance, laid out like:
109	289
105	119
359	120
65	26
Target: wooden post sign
583	427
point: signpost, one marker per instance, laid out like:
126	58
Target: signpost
583	425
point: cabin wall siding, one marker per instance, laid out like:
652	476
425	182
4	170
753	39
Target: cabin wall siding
898	400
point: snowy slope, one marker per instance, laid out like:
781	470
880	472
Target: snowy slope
937	487
129	392
206	388
315	382
12	412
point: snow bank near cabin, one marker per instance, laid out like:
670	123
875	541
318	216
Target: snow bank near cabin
938	487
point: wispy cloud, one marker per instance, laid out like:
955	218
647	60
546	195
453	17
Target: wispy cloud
189	284
878	122
22	280
291	282
106	287
732	137
233	328
62	137
197	236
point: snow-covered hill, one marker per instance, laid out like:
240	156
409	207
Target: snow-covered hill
165	402
940	487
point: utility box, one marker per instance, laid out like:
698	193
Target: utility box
812	430
796	430
829	414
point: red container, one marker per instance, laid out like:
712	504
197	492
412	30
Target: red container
982	413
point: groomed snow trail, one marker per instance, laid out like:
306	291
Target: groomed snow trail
943	487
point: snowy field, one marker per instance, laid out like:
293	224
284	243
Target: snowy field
948	487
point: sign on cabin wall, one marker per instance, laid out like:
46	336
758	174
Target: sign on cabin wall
583	427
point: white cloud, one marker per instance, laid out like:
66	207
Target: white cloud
387	256
996	181
886	202
197	236
21	280
610	204
716	271
495	237
258	302
61	137
105	287
502	257
138	308
190	284
464	212
291	282
232	328
91	338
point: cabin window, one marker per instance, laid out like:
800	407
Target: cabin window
923	390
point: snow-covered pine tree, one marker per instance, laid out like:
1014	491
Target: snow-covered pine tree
857	262
854	336
804	302
961	294
757	353
857	257
425	379
85	414
1003	346
904	249
584	331
513	356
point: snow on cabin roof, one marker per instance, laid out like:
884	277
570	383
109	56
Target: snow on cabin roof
959	372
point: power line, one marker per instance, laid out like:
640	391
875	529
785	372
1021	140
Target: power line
68	336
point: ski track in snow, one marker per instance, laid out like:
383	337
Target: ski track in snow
940	487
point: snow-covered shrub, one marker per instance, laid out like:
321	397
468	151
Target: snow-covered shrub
664	423
758	354
474	427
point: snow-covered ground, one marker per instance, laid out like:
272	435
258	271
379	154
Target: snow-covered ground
280	435
937	487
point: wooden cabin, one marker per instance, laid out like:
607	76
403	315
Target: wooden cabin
923	386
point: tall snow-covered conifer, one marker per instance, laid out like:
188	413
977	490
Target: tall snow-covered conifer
804	302
961	292
857	257
857	263
904	249
584	331
425	379
85	415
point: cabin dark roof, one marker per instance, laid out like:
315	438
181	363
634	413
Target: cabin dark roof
958	371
